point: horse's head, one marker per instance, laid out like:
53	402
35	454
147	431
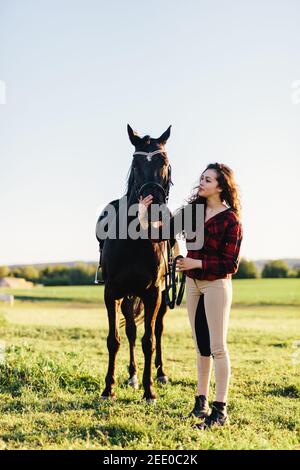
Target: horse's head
150	171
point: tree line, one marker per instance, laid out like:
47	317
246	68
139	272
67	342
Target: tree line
84	273
54	275
271	269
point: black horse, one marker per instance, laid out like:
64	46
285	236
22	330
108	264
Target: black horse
133	270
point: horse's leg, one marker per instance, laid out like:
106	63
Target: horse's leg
159	329
113	341
127	310
152	300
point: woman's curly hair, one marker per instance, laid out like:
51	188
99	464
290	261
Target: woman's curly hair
226	181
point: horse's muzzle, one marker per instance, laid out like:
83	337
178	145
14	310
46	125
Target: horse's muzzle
156	190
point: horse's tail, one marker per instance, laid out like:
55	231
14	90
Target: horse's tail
138	310
137	307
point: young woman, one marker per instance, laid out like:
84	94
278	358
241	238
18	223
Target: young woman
209	287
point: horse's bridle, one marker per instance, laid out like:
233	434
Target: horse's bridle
171	279
149	155
170	275
165	192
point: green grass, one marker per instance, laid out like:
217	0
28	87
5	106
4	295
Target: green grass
56	359
246	292
266	292
68	294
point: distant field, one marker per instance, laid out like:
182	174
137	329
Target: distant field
246	292
54	362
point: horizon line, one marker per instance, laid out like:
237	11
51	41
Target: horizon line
97	259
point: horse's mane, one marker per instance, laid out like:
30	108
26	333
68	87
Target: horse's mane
129	181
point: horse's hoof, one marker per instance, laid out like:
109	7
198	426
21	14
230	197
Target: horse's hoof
133	382
151	401
163	380
107	398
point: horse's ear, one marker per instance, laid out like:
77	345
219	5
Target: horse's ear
134	138
164	137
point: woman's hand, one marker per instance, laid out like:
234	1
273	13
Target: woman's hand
143	207
183	264
147	200
145	203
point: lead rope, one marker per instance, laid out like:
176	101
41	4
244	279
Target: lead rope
170	280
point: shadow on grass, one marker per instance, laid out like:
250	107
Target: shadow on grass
104	435
44	377
57	406
121	435
291	391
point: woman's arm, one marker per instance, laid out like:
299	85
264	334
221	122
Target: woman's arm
143	218
143	207
187	263
227	261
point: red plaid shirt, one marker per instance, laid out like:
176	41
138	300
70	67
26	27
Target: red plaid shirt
223	235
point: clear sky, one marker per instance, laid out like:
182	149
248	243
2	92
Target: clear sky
77	71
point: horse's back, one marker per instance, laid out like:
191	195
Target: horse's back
104	218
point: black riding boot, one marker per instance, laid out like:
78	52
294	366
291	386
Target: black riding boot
201	408
218	416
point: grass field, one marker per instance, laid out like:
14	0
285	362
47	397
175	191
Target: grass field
54	362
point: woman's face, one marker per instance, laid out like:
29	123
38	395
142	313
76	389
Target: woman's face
208	184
